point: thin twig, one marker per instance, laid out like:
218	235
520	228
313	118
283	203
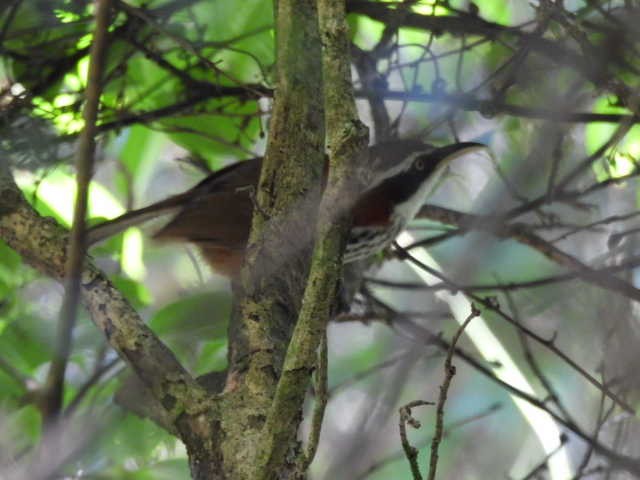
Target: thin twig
13	9
89	383
531	360
547	343
419	332
449	372
378	367
629	264
77	248
522	234
533	473
410	451
603	416
491	409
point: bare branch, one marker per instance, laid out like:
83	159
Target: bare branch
410	452
449	372
77	247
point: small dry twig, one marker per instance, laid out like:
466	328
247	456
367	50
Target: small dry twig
409	450
449	372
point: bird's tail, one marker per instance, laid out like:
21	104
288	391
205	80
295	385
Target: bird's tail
133	218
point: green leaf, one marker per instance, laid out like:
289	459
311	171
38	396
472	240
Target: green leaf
136	292
22	427
212	356
186	323
174	469
495	11
26	342
209	135
621	160
136	438
141	149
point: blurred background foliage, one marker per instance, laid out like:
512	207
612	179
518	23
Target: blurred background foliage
188	90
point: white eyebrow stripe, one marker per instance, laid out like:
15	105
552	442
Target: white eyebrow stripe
399	167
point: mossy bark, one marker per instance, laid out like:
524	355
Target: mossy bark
224	432
269	296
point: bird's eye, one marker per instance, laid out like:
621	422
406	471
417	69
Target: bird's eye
418	164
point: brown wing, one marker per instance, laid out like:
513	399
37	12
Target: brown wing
231	178
236	175
218	224
220	219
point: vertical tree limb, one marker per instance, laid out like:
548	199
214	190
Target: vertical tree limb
54	388
277	257
346	138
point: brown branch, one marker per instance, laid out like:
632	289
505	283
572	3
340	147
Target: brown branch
542	465
207	91
10	15
449	372
603	417
203	93
468	24
456	25
452	426
54	386
520	233
378	367
374	86
620	461
43	245
623	128
148	17
628	264
493	106
56	68
568	196
85	388
409	450
548	344
534	366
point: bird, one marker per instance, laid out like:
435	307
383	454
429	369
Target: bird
216	213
